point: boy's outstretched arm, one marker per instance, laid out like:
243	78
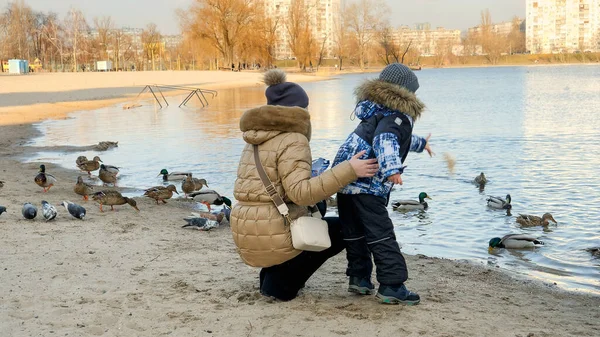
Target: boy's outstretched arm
418	144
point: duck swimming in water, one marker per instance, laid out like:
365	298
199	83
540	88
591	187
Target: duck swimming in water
532	220
412	204
499	203
515	241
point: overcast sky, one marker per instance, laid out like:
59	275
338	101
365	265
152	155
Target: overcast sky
456	14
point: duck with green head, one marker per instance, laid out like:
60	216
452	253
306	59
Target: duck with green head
412	204
210	197
515	241
499	203
172	176
45	180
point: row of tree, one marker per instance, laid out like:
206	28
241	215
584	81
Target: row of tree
219	33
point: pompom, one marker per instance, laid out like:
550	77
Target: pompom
274	76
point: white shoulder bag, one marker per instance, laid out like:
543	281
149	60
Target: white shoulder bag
309	233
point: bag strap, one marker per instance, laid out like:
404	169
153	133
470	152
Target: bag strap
275	197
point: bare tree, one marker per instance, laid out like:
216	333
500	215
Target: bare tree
77	31
221	22
364	18
299	31
151	40
104	27
493	44
341	37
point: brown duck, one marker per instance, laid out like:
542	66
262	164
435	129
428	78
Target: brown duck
107	176
198	183
113	198
188	185
161	193
90	165
82	188
80	159
532	220
44	180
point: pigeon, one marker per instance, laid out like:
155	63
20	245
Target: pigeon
74	209
2	209
29	211
202	224
48	211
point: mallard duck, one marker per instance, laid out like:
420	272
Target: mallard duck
210	197
532	220
195	221
480	179
107	176
515	241
80	160
188	186
172	176
29	211
77	211
45	180
90	165
595	251
412	204
82	188
2	209
161	193
48	211
113	198
499	203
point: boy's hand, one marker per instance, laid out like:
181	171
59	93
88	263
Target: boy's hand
396	179
427	147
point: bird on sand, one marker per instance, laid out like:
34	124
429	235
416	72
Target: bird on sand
48	211
75	210
82	188
2	209
45	180
195	221
29	211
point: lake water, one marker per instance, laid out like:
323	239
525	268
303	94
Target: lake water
533	130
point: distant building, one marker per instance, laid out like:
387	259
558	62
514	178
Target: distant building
555	26
428	42
323	16
502	28
423	26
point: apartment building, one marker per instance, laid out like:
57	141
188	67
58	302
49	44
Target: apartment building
555	26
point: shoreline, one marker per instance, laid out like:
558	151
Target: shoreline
126	273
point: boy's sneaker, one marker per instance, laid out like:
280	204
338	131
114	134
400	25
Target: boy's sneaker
399	295
361	286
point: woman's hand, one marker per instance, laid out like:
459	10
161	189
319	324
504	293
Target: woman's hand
364	168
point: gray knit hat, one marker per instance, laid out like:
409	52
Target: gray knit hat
398	73
283	93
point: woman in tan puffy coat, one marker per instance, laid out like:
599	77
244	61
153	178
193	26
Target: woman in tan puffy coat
282	131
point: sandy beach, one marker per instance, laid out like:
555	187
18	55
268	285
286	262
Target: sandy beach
126	273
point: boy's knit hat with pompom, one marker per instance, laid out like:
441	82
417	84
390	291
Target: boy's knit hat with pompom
280	92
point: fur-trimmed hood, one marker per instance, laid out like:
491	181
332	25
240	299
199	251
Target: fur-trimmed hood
391	96
265	122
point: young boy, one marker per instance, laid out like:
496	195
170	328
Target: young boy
387	108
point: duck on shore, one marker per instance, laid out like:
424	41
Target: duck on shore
107	176
113	198
161	193
210	197
45	180
90	165
82	188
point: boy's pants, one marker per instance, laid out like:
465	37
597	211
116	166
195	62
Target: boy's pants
283	281
368	229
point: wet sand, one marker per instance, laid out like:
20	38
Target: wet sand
125	273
